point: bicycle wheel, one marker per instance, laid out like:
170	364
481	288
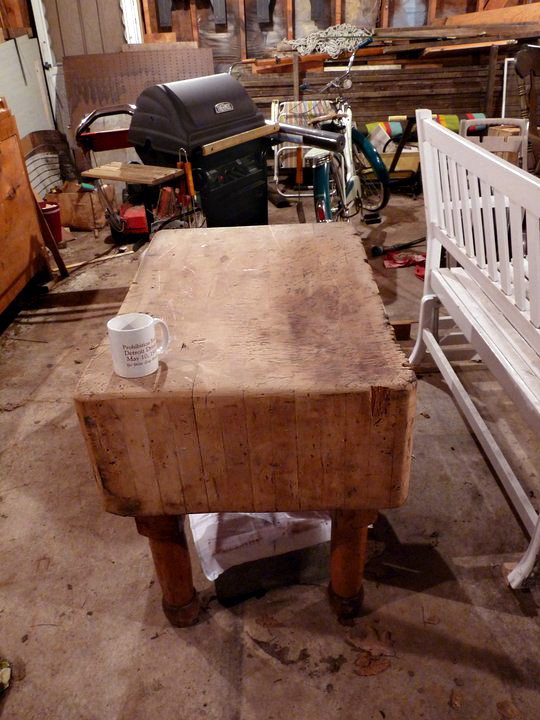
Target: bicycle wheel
337	191
375	190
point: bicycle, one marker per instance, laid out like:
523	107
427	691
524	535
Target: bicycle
344	184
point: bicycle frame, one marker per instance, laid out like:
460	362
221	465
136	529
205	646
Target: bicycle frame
347	181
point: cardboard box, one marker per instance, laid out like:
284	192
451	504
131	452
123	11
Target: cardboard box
507	132
81	209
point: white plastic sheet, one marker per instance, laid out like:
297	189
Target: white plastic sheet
227	539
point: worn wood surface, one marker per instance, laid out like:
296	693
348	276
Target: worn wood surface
518	14
465	47
130	173
240	138
283	388
22	251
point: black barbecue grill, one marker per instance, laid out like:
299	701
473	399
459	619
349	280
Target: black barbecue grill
213	123
191	114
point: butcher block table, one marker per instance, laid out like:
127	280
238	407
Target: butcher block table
283	389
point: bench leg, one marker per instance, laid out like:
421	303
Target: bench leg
348	555
170	553
427	321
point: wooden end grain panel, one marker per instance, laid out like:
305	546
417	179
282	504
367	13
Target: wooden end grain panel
283	388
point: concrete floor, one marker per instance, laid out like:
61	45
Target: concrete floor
80	615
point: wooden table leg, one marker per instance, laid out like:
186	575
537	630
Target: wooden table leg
348	554
170	553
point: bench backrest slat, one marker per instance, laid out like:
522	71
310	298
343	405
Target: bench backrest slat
480	208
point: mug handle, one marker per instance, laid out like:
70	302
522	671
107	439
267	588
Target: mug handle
166	337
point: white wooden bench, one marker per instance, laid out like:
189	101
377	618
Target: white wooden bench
485	213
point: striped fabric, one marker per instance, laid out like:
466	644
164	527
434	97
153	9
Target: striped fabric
299	113
473	116
395	124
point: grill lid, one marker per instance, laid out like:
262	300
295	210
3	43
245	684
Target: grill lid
190	113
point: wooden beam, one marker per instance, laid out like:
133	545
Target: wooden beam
194	20
233	140
181	24
338	12
463	30
495	4
516	14
459	48
151	24
242	21
492	76
385	13
290	19
15	14
431	11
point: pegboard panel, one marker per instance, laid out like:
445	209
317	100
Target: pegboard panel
96	81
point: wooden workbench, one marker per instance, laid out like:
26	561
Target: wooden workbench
283	389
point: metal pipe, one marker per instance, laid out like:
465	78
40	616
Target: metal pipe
507	61
309	136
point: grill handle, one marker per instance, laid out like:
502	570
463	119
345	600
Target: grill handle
310	136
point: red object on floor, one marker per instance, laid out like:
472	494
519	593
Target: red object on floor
135	219
403	259
51	212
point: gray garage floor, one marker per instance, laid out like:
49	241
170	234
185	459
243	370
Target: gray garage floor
80	615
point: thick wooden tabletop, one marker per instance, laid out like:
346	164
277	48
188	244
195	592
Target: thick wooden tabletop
283	387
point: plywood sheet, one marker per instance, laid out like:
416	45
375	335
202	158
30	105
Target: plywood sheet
79	27
116	78
23	85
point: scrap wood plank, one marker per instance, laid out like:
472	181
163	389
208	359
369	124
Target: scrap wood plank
181	24
194	21
150	16
494	4
468	47
385	13
15	14
160	37
517	14
240	138
131	173
463	29
290	19
431	11
242	22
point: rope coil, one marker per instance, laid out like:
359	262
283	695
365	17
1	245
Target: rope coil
333	41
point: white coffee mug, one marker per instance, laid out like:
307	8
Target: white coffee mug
133	343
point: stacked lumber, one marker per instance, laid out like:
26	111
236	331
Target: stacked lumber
454	69
377	93
413	46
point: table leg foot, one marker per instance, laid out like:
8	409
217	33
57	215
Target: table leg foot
346	607
348	553
172	563
182	615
